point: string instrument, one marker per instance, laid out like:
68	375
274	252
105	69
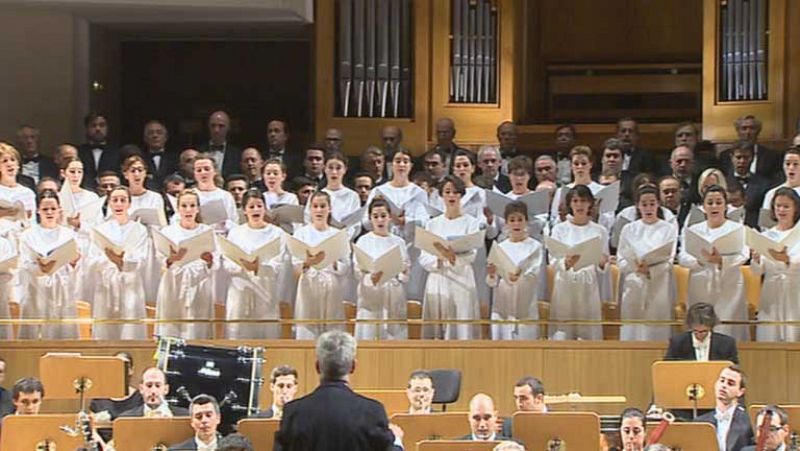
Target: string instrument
793	445
763	431
666	419
87	431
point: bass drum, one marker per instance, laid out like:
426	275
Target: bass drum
232	376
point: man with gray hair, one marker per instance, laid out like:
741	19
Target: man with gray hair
333	417
766	162
489	162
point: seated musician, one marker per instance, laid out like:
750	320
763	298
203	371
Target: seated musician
729	418
27	396
508	446
529	397
420	392
483	419
6	406
205	421
776	431
632	429
283	385
700	342
154	389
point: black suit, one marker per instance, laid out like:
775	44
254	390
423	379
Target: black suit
138	411
769	163
292	160
167	166
755	187
641	160
109	161
723	347
6	406
189	444
47	168
231	158
334	418
503	183
497	438
740	433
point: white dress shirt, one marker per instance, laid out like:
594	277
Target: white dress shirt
724	420
212	446
701	348
162	411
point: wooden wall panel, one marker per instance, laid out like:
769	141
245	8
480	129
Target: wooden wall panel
591	368
622	31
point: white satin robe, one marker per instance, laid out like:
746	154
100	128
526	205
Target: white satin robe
319	291
642	297
578	294
518	300
186	291
723	288
51	296
387	299
120	294
152	267
450	291
413	199
780	293
254	296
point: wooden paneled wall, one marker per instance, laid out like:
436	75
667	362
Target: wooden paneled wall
591	368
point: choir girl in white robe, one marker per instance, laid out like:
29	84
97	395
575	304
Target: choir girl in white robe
119	278
411	199
577	294
516	298
49	293
72	173
581	164
7	251
319	291
380	298
274	175
450	292
344	201
254	290
134	169
780	290
717	279
648	292
13	192
186	290
204	173
791	172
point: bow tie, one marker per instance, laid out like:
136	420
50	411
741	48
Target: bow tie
27	160
742	179
216	147
97	146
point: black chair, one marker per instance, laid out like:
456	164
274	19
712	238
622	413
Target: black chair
447	386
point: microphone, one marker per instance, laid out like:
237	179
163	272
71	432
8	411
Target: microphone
184	393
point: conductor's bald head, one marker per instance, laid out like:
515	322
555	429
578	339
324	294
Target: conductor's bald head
336	355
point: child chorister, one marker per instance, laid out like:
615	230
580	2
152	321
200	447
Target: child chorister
49	293
253	293
450	292
516	297
780	291
381	297
186	291
578	293
319	291
715	278
119	278
647	290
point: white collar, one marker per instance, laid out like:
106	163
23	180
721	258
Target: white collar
205	446
701	344
491	438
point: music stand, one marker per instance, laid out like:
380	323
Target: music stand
72	376
394	401
456	445
31	432
260	431
689	436
143	434
686	384
432	426
575	430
